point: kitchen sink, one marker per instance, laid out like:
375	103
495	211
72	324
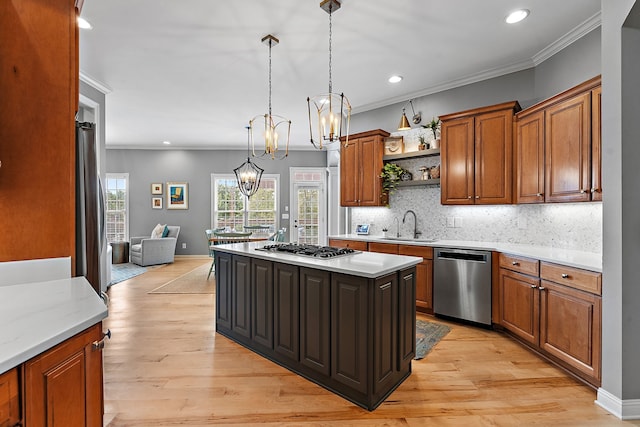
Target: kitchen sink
409	239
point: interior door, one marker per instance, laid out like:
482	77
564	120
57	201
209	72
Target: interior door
309	214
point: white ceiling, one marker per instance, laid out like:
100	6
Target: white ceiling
195	71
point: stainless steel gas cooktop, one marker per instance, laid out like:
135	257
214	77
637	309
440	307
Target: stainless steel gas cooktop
308	250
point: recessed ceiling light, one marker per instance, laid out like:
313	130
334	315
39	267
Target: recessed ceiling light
166	142
84	24
395	79
516	16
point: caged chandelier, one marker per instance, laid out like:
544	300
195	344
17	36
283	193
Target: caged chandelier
329	113
248	174
272	123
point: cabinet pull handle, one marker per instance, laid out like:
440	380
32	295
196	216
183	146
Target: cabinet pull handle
468	197
515	263
542	288
385	286
534	286
582	191
99	345
565	276
539	194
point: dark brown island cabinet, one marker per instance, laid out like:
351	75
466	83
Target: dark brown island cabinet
352	335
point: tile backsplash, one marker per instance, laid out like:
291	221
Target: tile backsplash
562	225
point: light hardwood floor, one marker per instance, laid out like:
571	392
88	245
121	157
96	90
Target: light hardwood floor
165	366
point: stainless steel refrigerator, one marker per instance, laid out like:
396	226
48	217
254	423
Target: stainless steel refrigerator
90	210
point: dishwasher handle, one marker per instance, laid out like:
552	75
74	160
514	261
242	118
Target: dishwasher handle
464	256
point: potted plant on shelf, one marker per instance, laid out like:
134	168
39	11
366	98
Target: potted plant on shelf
390	175
434	125
423	145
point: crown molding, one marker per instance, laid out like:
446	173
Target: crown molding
572	36
94	83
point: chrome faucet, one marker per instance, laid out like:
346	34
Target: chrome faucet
397	227
416	233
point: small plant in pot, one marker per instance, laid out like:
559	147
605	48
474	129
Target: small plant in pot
434	125
423	145
390	175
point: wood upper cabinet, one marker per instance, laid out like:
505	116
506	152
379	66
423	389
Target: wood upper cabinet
477	155
360	167
558	153
63	385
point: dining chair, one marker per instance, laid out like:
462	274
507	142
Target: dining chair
210	233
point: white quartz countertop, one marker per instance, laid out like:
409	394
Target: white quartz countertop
573	258
35	317
363	264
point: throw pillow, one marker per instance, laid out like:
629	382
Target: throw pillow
157	231
165	232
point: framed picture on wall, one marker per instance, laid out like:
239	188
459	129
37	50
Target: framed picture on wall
156	188
177	195
393	145
156	202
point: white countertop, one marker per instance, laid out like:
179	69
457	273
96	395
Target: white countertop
363	264
35	317
573	258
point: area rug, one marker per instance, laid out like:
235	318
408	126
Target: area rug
122	272
193	282
427	336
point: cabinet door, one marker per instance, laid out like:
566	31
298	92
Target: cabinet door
241	296
424	275
286	303
315	306
262	302
520	305
9	398
530	159
494	157
63	386
358	245
407	318
223	289
570	327
596	144
385	332
349	174
349	355
457	157
370	166
568	150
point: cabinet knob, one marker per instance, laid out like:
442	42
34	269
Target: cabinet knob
515	263
565	276
99	345
542	288
539	194
469	197
582	191
534	286
595	190
477	197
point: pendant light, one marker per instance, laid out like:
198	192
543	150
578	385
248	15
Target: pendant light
404	122
272	123
248	174
331	112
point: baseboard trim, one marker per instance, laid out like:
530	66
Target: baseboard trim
623	409
203	257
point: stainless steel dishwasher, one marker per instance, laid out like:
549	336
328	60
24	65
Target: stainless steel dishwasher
462	284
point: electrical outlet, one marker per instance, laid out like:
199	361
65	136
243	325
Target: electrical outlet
184	246
450	222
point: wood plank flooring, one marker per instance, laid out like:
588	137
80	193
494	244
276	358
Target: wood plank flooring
165	366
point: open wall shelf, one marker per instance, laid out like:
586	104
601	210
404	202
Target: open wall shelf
418	182
412	154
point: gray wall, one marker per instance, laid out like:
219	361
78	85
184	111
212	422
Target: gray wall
194	167
573	65
621	222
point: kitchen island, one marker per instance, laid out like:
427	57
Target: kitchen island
346	323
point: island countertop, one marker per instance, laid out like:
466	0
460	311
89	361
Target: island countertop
35	317
364	264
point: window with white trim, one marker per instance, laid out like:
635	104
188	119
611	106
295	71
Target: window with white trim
117	210
233	211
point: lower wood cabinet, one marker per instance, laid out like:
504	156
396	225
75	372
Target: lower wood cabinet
424	275
352	244
556	310
9	399
353	335
63	386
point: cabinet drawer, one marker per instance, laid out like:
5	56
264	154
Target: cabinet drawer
425	252
9	398
385	248
353	244
520	264
576	278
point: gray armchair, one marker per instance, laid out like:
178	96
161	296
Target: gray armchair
147	251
